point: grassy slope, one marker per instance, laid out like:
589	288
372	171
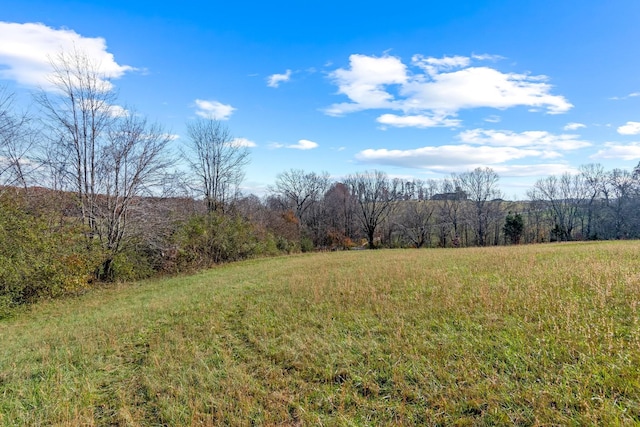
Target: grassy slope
522	335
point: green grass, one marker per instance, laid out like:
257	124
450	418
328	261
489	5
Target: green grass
530	335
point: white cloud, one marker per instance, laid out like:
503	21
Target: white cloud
118	111
112	110
213	110
437	87
459	158
544	169
574	126
445	156
364	83
631	128
419	121
487	57
529	139
243	142
434	65
303	144
493	119
615	150
631	95
171	136
26	51
482	87
479	148
274	80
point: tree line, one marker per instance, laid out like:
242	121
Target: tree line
90	192
464	209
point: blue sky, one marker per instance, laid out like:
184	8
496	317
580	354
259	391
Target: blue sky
417	89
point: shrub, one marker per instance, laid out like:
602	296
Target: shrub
134	262
39	257
215	238
306	244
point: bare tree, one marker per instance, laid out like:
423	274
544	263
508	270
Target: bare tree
131	165
78	112
374	196
16	141
217	160
450	203
339	211
300	190
564	196
108	156
536	219
622	187
481	187
416	221
595	182
302	194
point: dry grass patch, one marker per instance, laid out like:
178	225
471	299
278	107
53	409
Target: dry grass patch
531	335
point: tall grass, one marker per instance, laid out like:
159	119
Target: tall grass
530	335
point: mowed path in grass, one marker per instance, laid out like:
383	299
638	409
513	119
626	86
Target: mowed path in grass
528	335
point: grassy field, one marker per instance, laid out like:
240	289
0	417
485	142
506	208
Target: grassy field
529	335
